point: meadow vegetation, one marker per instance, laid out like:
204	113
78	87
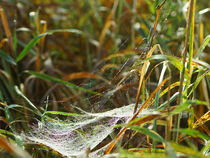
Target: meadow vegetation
104	78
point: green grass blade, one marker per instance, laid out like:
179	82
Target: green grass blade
159	82
202	63
191	36
27	100
33	42
186	105
203	46
61	113
2	131
53	79
171	59
198	80
205	150
36	39
152	134
158	96
7	58
173	97
194	133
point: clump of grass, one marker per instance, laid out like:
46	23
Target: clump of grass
114	87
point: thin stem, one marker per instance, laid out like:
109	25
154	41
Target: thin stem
179	100
168	125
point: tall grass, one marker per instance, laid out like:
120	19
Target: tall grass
104	78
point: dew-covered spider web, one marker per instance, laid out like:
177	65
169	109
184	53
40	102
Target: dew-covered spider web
78	133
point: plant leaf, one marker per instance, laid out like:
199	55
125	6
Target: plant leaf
186	104
7	58
194	133
206	41
53	79
26	99
152	134
36	39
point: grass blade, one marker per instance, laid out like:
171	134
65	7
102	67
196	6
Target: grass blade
203	119
200	50
26	99
191	38
7	58
194	133
33	42
152	134
186	105
49	78
36	39
61	113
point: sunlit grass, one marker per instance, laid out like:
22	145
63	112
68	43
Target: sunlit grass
99	78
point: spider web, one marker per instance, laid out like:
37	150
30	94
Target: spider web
76	134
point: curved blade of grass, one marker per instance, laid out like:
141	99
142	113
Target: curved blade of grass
14	106
108	66
206	148
11	106
200	77
23	45
160	80
173	60
28	101
202	63
194	133
172	98
165	91
79	75
36	39
53	79
186	105
33	42
200	50
2	131
152	134
122	53
143	71
203	119
7	58
61	113
158	57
